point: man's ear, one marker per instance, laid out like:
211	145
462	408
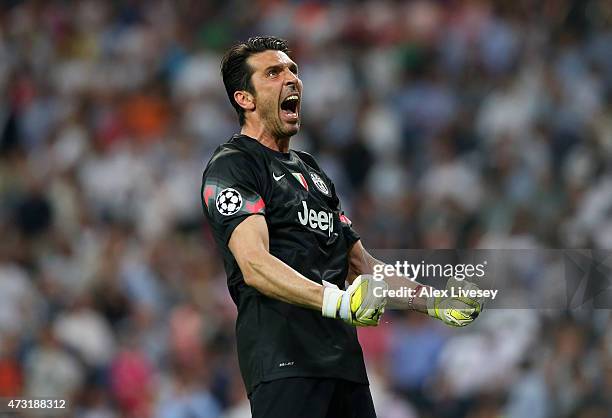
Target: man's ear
244	99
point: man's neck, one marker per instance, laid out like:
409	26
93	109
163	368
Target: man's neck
266	139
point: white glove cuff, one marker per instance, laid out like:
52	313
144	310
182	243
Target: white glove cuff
331	297
431	306
345	306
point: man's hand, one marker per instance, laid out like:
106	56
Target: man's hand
356	305
455	311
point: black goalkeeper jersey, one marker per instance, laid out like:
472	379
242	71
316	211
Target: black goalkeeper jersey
309	232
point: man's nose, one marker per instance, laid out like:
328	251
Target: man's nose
291	78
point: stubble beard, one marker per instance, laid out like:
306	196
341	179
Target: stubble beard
271	119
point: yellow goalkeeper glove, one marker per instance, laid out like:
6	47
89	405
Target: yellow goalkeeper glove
357	305
455	311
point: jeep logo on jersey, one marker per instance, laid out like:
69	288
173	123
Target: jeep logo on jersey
228	201
318	181
317	220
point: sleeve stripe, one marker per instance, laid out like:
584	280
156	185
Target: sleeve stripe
345	219
209	191
255	207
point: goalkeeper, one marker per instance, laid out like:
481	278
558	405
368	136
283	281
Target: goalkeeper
288	250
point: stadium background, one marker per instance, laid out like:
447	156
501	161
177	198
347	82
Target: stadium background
444	124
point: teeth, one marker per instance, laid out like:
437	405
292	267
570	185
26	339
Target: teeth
293	97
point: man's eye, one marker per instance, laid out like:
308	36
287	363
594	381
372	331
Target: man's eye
272	73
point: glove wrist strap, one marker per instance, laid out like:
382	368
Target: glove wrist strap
331	302
432	308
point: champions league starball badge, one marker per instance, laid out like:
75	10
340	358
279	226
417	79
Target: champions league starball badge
228	201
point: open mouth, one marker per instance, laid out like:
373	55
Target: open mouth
289	107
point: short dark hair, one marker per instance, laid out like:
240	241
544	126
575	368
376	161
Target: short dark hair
237	73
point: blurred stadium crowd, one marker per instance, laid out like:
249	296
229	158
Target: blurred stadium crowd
443	123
